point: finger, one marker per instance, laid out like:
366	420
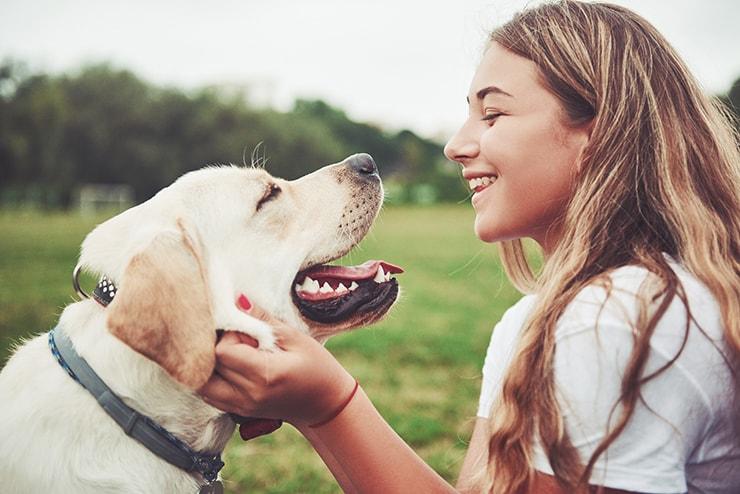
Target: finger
244	383
255	310
222	406
222	394
258	312
281	330
237	338
219	391
242	359
289	339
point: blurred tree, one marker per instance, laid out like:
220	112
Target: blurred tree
33	119
105	125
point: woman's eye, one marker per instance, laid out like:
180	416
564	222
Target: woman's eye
272	192
491	116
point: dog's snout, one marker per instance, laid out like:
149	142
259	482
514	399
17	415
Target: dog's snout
363	164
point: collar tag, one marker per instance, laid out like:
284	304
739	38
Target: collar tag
105	291
213	488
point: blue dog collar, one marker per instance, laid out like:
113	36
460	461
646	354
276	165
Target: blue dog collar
140	427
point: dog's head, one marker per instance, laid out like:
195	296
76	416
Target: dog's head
181	257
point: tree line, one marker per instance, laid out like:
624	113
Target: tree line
105	125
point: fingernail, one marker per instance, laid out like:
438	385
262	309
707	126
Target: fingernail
244	302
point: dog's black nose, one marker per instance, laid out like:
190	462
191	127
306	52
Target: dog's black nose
363	164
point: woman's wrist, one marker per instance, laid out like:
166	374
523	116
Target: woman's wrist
339	409
325	398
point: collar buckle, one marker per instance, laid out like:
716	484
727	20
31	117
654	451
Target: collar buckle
209	466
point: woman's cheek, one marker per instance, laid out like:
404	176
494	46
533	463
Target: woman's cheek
490	143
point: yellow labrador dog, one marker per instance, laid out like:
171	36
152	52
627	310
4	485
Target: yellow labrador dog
174	268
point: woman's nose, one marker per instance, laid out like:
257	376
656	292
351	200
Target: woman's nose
462	146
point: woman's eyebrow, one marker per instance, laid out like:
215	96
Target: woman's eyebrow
488	90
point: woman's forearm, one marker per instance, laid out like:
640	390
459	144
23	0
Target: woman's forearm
334	466
370	455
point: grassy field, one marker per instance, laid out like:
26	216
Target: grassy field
421	366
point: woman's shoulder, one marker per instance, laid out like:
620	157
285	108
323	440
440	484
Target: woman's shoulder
684	417
605	317
506	331
617	298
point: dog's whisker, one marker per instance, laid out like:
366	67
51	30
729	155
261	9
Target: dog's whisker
257	160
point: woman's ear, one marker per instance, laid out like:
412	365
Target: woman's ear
162	308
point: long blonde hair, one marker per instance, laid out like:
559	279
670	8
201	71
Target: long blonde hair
660	174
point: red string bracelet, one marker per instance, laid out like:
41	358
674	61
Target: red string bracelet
340	409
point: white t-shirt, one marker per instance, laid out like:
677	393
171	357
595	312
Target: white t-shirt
687	443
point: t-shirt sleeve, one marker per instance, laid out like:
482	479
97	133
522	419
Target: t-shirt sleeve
493	368
500	352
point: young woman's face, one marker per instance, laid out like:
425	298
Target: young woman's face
516	152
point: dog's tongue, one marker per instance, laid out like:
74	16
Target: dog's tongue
352	273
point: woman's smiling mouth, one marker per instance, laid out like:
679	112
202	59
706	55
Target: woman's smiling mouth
479	183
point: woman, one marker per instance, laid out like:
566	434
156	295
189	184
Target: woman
588	134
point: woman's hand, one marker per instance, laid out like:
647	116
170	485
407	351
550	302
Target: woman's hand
300	382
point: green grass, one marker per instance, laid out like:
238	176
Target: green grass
421	366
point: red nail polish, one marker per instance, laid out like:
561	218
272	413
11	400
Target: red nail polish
244	302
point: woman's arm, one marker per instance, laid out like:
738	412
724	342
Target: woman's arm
370	453
476	459
330	461
303	384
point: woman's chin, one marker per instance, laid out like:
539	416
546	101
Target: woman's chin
490	232
487	233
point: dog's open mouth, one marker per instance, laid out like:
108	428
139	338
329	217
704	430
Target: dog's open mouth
329	294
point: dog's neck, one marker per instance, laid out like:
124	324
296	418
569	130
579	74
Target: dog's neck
142	384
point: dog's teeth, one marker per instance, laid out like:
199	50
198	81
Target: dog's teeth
379	276
310	286
298	288
353	286
326	288
341	288
387	277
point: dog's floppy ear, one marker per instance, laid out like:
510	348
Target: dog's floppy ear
162	308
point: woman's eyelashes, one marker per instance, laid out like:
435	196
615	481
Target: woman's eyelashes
491	116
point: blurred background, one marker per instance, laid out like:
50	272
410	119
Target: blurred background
103	103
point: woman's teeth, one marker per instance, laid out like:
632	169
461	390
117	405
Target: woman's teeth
475	183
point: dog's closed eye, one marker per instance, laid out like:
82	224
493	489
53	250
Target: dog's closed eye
272	192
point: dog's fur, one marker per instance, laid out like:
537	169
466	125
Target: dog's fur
180	259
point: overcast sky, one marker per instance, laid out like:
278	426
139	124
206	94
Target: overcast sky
396	63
